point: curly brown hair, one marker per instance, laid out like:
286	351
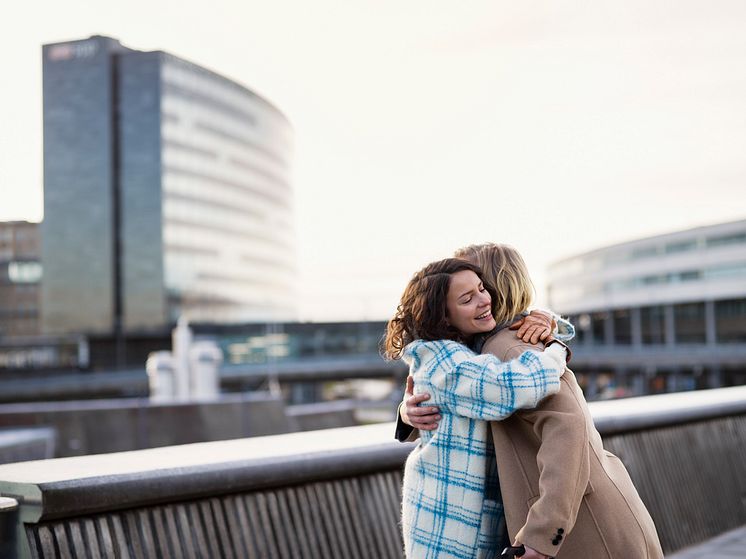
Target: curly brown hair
422	313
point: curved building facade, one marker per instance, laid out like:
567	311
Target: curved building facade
167	193
659	314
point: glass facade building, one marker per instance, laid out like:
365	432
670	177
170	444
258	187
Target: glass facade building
167	193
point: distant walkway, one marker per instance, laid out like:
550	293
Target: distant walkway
731	545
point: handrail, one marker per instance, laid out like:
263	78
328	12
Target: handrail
77	486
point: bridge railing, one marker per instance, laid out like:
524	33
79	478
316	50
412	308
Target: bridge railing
336	493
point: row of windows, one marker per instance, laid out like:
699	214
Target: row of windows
200	203
213	293
719	272
192	150
186	268
231	232
209	101
22	272
193	188
277	263
233	246
271	262
684	323
190	250
30	312
190	115
243	164
714	272
278	199
244	281
187	211
673	247
242	141
21	234
214	138
183	73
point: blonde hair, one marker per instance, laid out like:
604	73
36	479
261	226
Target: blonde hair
504	268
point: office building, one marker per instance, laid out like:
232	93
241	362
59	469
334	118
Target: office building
20	274
167	191
663	313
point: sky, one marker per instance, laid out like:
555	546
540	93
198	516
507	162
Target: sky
423	126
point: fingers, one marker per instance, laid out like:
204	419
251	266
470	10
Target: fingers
516	325
426	422
528	332
534	327
524	330
415	400
538	332
423	412
425	418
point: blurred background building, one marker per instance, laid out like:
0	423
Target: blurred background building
167	192
665	313
20	274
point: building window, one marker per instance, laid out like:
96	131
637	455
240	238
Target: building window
24	272
724	240
598	328
730	321
582	323
689	323
645	252
652	323
680	246
622	327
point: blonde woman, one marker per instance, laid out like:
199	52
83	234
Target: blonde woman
564	495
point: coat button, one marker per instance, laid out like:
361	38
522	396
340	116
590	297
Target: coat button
559	537
555	541
560	530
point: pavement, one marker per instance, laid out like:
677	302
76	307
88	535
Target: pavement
730	545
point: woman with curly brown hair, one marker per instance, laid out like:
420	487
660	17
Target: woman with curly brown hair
450	506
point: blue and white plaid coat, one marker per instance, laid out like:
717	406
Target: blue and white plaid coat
451	506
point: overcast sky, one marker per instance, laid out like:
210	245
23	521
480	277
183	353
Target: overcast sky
422	126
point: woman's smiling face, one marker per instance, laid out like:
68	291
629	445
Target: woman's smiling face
468	304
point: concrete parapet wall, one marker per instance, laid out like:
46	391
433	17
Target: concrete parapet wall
21	445
326	415
336	493
101	426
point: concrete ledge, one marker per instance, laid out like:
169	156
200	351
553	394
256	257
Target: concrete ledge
84	485
97	426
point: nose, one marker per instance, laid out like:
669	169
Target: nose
485	299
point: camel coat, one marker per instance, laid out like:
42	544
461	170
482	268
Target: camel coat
564	495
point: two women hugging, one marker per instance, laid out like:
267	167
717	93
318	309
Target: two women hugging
507	451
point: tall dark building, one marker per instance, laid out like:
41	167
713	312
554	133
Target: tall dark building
166	192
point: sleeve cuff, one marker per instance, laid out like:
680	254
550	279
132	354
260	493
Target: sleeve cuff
403	431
